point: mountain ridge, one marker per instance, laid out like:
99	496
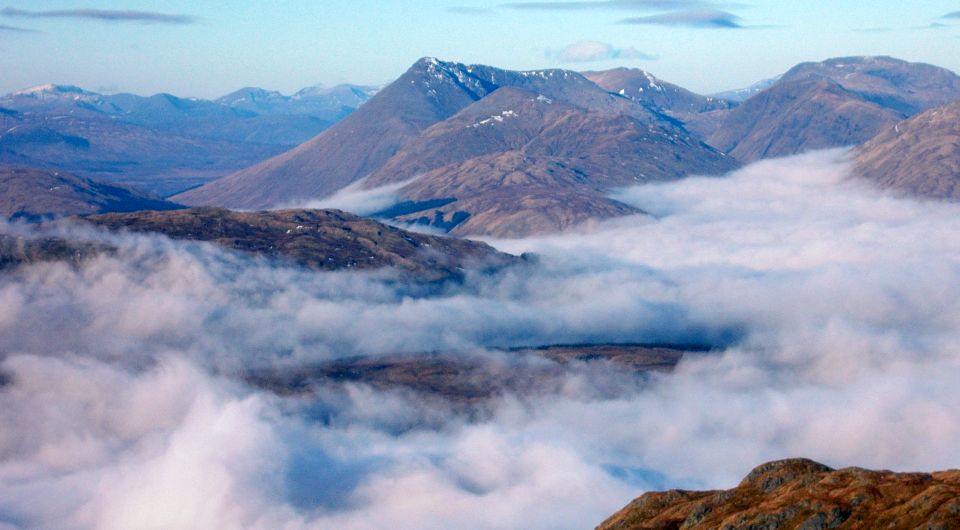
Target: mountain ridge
494	137
837	102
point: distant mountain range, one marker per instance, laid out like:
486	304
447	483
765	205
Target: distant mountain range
334	103
507	153
478	150
162	143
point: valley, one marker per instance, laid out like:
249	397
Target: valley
529	283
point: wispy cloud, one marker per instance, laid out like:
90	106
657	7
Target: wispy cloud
954	14
102	15
590	51
469	10
15	29
700	18
608	4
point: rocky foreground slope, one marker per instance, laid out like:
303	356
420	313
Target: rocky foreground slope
802	494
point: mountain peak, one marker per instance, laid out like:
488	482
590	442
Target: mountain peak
437	68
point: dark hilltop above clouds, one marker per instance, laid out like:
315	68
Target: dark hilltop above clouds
320	240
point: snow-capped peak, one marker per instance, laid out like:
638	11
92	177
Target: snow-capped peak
51	89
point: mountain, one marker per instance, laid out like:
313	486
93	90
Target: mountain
513	153
429	92
796	116
34	194
516	163
425	94
160	143
838	102
920	156
642	86
316	239
699	114
891	83
802	494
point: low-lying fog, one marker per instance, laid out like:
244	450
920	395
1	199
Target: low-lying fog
838	306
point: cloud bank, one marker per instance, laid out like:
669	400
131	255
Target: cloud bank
630	5
102	15
15	29
838	313
459	10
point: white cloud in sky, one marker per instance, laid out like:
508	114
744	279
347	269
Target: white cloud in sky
592	51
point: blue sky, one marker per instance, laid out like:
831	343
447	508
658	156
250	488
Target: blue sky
207	48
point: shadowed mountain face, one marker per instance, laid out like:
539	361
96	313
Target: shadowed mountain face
515	152
835	103
920	156
802	494
316	239
35	194
160	143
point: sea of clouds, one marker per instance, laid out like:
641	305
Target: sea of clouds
835	310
